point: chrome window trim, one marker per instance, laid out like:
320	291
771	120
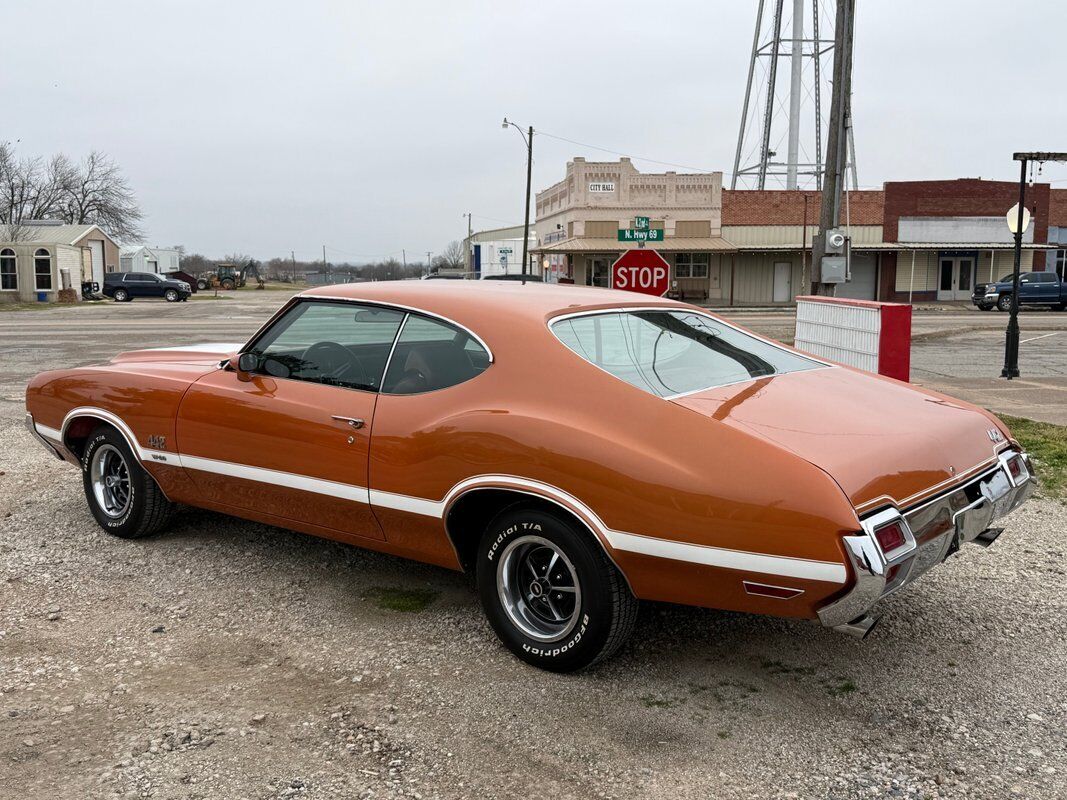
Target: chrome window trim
381	304
551	322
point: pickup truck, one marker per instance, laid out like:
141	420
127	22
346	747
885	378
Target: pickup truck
1035	289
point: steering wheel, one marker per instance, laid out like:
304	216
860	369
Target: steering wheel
335	361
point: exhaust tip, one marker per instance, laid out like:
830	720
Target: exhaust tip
987	537
860	628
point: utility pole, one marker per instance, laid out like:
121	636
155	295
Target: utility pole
526	224
428	254
325	266
796	71
837	140
292	256
470	266
404	256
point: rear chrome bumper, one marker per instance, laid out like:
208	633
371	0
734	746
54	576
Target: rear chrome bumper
935	530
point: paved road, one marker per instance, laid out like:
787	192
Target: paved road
956	351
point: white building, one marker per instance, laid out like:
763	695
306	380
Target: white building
142	258
499	252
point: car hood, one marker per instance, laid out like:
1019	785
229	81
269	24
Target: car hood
881	440
206	354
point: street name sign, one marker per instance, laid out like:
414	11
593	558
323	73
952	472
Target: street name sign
634	235
643	271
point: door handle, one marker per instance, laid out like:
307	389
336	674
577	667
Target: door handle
355	422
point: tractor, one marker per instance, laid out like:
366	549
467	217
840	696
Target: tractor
228	276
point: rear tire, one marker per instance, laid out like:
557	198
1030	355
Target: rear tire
123	498
550	592
228	285
121	295
1004	302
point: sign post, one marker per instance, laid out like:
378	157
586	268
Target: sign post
643	271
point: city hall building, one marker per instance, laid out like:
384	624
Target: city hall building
911	241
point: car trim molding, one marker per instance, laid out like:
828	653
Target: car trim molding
707	555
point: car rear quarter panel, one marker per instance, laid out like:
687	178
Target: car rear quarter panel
643	465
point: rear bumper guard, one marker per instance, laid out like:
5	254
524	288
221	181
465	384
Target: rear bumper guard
936	529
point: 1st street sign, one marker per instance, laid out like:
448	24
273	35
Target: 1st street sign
643	271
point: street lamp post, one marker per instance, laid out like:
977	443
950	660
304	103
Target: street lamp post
528	137
1011	335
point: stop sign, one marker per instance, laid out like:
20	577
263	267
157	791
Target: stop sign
642	271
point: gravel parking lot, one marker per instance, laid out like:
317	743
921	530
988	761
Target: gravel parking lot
224	658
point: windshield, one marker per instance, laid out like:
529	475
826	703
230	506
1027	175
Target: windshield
674	352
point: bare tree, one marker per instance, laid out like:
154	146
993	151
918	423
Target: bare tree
99	194
454	256
31	189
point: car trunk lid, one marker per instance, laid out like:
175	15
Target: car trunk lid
881	440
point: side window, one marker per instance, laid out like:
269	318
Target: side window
431	355
339	344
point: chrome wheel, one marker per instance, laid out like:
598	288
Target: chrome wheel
539	588
110	478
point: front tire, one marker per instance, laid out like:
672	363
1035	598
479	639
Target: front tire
1004	302
550	592
171	295
123	498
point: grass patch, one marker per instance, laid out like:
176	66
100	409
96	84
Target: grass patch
1047	445
842	688
42	306
393	598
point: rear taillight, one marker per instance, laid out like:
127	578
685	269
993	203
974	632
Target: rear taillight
890	537
1015	468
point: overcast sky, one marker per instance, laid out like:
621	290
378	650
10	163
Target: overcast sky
265	127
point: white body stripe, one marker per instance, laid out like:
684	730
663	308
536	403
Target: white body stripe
729	559
357	494
786	566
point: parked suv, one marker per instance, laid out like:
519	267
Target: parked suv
124	286
1035	289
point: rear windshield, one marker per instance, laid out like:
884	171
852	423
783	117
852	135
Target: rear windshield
674	352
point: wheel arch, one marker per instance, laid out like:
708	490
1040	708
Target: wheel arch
469	510
80	422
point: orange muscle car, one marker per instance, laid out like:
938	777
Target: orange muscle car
576	449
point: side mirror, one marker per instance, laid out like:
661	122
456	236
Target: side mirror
244	364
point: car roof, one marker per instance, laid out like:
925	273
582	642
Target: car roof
471	301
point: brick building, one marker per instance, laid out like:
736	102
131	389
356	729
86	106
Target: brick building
911	240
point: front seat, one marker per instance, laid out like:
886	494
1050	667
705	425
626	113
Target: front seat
430	367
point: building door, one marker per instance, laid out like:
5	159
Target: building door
96	252
955	278
599	271
783	282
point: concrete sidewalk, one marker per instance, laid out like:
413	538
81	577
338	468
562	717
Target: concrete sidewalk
1043	399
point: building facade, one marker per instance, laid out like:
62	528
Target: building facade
48	257
913	241
499	252
579	220
142	258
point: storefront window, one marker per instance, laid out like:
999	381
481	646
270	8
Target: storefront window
42	270
9	278
691	265
1061	263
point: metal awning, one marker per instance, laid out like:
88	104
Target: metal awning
679	244
891	246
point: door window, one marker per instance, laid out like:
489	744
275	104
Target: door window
946	274
966	273
430	355
338	344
